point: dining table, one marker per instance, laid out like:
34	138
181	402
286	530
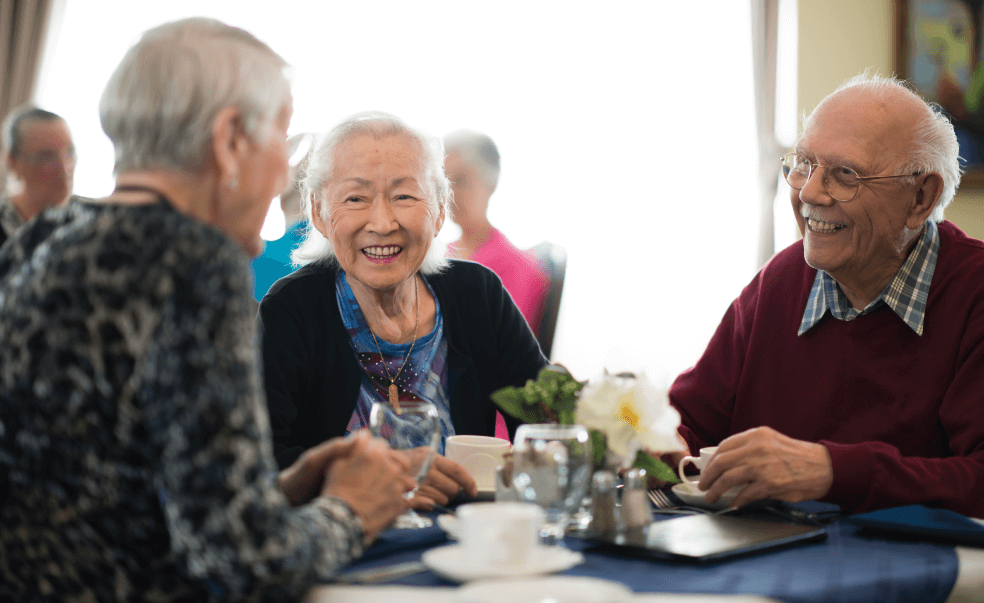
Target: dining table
851	564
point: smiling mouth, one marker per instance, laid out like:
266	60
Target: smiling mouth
382	253
823	227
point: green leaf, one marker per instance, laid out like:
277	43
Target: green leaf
655	468
551	397
599	446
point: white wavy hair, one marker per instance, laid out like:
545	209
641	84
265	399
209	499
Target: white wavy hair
159	104
934	143
315	248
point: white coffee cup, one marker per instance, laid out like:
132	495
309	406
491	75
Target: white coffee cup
500	533
699	461
479	455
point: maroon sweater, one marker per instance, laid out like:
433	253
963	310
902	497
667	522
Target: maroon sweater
901	414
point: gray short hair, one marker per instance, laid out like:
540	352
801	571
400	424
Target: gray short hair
478	151
318	174
159	104
12	135
934	142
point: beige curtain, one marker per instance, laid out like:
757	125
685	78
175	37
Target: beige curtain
765	43
23	24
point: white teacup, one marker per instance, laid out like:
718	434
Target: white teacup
700	462
500	533
479	455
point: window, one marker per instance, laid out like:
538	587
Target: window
626	131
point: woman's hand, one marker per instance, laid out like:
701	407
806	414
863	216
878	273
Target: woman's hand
372	481
443	482
303	480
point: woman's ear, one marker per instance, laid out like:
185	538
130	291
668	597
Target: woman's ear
229	145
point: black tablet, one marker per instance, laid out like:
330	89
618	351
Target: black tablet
705	538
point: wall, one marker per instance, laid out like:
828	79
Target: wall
841	38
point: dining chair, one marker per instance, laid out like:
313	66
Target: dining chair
552	258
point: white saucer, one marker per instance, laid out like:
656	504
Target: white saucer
695	497
450	563
559	589
448	523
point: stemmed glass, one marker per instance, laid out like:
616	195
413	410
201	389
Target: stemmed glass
552	467
413	426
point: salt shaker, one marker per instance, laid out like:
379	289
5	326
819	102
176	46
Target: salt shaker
635	506
603	502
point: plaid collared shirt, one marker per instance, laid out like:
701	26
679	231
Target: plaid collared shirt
906	295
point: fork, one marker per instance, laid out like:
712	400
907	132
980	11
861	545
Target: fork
665	505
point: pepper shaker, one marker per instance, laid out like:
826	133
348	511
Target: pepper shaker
603	502
635	506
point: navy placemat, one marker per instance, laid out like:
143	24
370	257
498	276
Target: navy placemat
849	566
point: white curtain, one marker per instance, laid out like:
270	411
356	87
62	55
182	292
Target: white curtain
765	35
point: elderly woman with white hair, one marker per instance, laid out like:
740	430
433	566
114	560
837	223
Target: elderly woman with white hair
377	311
135	455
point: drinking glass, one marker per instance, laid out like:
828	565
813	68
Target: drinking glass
552	468
413	426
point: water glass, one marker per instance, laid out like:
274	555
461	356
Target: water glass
552	468
413	426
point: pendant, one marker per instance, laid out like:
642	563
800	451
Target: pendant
394	397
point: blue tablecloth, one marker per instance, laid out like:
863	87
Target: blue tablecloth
849	566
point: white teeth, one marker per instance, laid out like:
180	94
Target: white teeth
382	252
819	226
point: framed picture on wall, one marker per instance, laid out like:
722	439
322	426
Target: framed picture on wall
940	49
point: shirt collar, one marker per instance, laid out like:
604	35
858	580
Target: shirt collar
906	295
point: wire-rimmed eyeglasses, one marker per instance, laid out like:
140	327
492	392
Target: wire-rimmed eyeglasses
840	181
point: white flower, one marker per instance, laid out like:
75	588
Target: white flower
631	412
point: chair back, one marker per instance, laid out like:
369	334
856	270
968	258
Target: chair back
552	258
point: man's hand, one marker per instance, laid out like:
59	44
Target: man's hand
443	481
770	465
303	480
372	481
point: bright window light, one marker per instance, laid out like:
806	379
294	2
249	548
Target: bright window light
626	132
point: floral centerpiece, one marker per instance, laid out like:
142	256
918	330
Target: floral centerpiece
625	414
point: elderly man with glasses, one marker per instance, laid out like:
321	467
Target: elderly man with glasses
40	160
851	368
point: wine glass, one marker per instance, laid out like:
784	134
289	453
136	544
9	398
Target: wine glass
412	426
551	467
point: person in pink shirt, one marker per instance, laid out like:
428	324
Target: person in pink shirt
472	165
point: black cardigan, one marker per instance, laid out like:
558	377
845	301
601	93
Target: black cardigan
312	377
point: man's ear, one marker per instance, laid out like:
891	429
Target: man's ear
229	144
929	188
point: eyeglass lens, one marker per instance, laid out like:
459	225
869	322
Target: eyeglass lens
840	181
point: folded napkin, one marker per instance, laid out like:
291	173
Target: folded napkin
918	520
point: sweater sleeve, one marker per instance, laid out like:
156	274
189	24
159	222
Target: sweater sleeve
230	526
286	358
705	394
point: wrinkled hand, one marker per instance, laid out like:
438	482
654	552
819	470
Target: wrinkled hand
443	481
372	481
303	480
771	465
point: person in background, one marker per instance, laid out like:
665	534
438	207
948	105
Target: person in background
274	262
377	308
472	166
135	454
851	368
40	161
